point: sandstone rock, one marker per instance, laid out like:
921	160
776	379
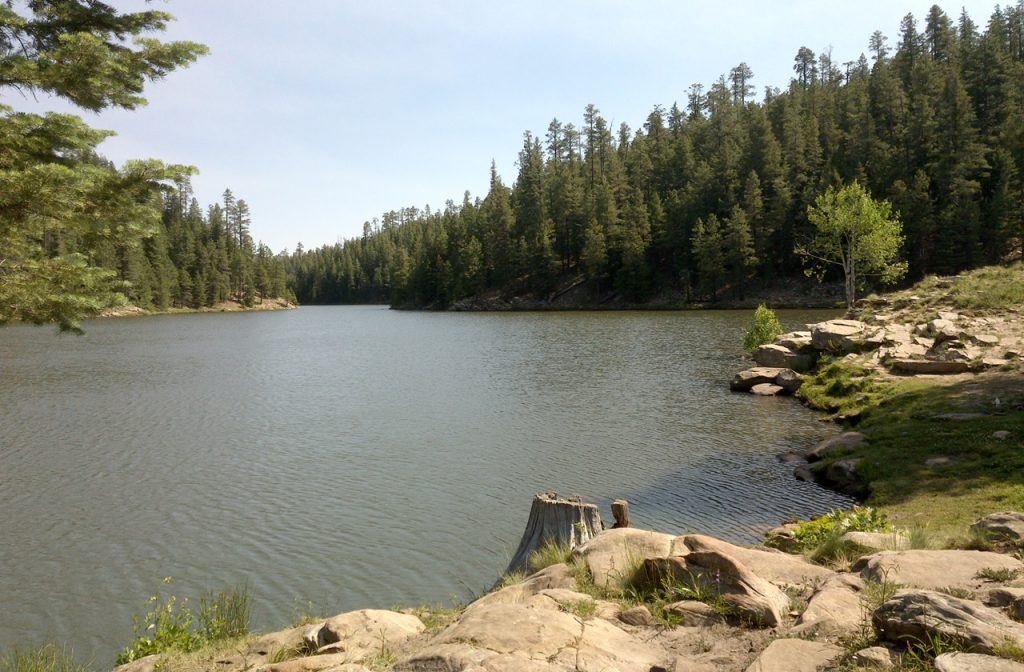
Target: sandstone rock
876	657
360	633
789	380
753	599
929	366
781	537
313	663
613	554
949	316
537	637
795	340
779	568
837	335
845	441
767	390
1006	526
834	608
290	639
555	576
458	657
931	569
1015	609
879	541
924	615
1000	596
744	380
144	664
779	356
692	613
975	662
639	616
796	655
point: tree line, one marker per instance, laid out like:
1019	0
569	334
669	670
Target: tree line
708	198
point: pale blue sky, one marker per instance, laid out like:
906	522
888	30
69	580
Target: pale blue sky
324	114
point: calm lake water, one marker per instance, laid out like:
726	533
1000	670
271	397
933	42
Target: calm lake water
339	458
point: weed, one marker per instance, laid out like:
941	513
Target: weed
919	537
510	579
383	658
551	552
997	574
921	653
225	614
45	658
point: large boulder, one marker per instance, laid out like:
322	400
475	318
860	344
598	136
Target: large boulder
796	341
796	655
359	634
747	596
932	569
779	568
834	608
975	662
1003	526
845	441
779	356
924	615
613	555
838	335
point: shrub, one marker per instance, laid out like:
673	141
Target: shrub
764	329
813	533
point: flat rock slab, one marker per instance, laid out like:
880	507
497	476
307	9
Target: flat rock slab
796	655
779	568
836	335
779	356
767	390
932	569
744	380
614	554
923	615
975	662
358	634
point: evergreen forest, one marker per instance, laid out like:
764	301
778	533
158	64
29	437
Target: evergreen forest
709	198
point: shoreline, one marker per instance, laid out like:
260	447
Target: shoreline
230	306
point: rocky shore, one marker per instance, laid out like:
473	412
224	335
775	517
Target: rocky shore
642	601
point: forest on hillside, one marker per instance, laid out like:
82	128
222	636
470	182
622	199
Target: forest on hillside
708	198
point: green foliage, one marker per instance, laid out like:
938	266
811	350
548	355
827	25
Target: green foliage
551	552
172	626
813	533
45	658
997	574
764	329
840	387
856	233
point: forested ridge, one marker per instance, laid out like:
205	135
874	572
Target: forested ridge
706	199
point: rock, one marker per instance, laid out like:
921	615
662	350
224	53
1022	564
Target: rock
1001	434
361	633
834	608
877	657
789	380
1000	596
744	380
751	598
1015	609
929	366
845	441
144	664
931	569
767	390
796	655
314	663
502	634
1005	526
779	356
612	555
934	327
639	616
878	541
781	537
992	363
924	615
949	316
975	662
779	568
837	335
553	577
842	476
804	473
692	613
795	340
985	340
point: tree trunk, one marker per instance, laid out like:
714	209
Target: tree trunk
567	522
620	511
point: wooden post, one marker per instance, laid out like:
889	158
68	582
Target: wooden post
620	511
564	521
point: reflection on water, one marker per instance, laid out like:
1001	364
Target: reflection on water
338	458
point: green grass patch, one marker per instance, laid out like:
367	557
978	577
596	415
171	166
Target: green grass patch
997	574
990	288
551	552
842	388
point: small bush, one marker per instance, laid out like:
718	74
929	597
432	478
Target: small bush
813	533
765	329
46	658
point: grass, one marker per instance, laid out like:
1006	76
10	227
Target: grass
45	658
551	552
438	617
997	574
843	389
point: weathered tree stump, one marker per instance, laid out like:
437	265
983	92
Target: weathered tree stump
564	521
620	511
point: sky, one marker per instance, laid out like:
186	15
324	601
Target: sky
323	114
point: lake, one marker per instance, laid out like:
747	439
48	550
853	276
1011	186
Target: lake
336	458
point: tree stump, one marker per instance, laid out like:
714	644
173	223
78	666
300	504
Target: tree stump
620	511
564	521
